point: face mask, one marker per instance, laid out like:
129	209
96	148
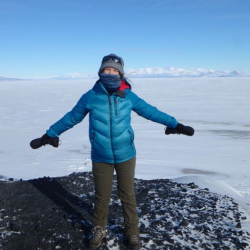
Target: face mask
110	82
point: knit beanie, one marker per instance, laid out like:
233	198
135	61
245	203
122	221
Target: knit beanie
112	61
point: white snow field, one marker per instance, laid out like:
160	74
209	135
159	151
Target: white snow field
216	157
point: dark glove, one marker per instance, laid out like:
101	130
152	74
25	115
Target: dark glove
44	140
180	129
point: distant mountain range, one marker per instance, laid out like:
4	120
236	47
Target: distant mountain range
176	72
2	78
157	72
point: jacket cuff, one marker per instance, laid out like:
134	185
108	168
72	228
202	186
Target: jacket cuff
51	134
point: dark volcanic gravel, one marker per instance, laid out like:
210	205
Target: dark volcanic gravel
55	213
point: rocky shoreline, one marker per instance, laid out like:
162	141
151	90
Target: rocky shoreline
55	213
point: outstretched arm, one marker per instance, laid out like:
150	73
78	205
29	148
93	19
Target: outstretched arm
73	117
149	112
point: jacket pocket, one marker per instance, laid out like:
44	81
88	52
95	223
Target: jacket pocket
132	137
92	136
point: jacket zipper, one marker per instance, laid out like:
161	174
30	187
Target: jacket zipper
115	107
111	134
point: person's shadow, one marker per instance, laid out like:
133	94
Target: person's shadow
76	209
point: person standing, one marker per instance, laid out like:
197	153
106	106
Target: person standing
109	104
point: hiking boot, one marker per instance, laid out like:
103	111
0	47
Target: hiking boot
134	243
98	234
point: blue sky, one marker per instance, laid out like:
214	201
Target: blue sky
56	37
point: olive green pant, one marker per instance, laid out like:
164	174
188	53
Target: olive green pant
103	176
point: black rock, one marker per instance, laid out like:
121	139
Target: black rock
244	244
54	213
15	226
238	225
184	223
2	214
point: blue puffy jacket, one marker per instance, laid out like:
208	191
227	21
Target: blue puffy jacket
110	131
